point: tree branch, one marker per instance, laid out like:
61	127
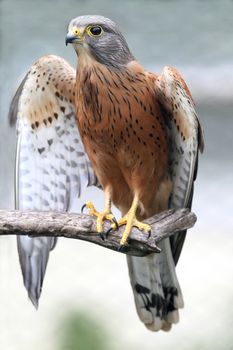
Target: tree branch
80	226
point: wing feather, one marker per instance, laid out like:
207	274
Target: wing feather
51	164
186	138
157	293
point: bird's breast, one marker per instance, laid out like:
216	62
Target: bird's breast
118	115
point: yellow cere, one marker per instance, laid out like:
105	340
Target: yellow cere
77	31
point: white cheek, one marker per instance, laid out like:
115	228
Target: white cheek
81	48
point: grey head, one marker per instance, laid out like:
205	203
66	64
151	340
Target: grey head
101	38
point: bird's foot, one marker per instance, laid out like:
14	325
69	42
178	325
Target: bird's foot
101	217
130	221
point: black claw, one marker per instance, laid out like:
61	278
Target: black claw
111	228
102	236
149	235
107	232
83	207
120	248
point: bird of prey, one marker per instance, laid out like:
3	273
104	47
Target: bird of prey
115	125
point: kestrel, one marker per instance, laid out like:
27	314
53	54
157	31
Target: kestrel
115	125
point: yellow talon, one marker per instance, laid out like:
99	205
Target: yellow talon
90	206
100	220
104	215
130	221
129	225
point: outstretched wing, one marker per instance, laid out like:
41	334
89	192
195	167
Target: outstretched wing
51	164
186	138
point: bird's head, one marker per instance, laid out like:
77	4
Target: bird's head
99	38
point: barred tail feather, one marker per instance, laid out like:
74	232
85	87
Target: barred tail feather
157	293
171	287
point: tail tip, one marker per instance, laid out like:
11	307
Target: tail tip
158	324
34	299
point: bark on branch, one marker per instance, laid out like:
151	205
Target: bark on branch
80	226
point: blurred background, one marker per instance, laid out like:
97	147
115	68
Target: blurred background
87	302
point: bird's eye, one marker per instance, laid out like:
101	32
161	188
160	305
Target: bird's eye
95	30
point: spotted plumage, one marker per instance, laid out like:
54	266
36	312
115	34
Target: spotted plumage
51	164
112	137
139	134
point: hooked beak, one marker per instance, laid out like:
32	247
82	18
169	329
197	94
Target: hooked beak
73	38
